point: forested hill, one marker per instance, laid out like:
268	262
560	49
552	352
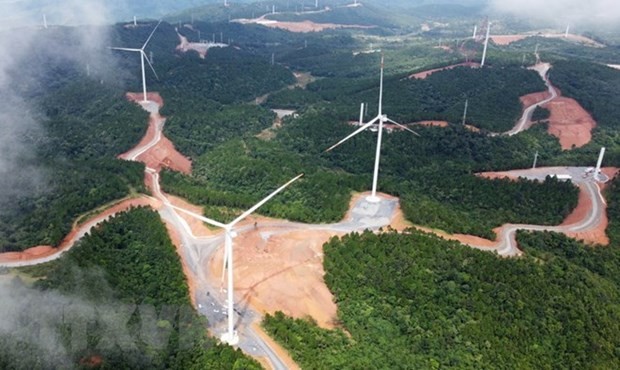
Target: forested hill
419	300
124	283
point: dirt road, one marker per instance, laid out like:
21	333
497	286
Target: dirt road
524	121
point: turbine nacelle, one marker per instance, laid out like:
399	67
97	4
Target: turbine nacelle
380	119
230	336
143	57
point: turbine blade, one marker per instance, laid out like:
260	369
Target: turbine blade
199	217
265	200
151	35
149	62
353	134
403	127
124	49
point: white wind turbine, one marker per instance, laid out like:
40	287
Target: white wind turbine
486	45
142	58
231	336
381	118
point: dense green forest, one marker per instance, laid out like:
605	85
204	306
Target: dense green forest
125	272
86	126
418	300
433	175
594	86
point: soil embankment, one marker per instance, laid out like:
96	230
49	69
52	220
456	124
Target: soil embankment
569	122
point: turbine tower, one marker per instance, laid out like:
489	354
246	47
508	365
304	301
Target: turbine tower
597	171
465	111
567	29
381	119
142	58
475	31
231	336
486	44
44	21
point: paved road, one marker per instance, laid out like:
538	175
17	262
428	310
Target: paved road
507	245
522	124
211	299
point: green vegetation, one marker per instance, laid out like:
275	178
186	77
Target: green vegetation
127	261
540	114
594	86
87	126
419	300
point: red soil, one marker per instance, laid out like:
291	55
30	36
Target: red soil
92	361
570	123
151	96
422	75
507	39
309	26
67	242
593	236
281	272
534	98
164	154
282	353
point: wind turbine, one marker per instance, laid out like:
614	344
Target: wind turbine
231	336
486	44
465	111
142	58
381	118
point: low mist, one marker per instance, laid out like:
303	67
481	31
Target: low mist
20	118
578	13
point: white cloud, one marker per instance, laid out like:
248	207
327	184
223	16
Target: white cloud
590	12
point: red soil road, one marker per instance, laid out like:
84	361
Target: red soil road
162	154
43	251
534	98
422	75
570	123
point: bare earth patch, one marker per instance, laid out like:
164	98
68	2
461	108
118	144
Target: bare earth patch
570	123
507	39
534	98
281	272
163	153
422	75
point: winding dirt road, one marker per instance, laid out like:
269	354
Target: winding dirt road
525	120
197	251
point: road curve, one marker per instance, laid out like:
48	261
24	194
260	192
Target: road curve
506	244
196	251
522	124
